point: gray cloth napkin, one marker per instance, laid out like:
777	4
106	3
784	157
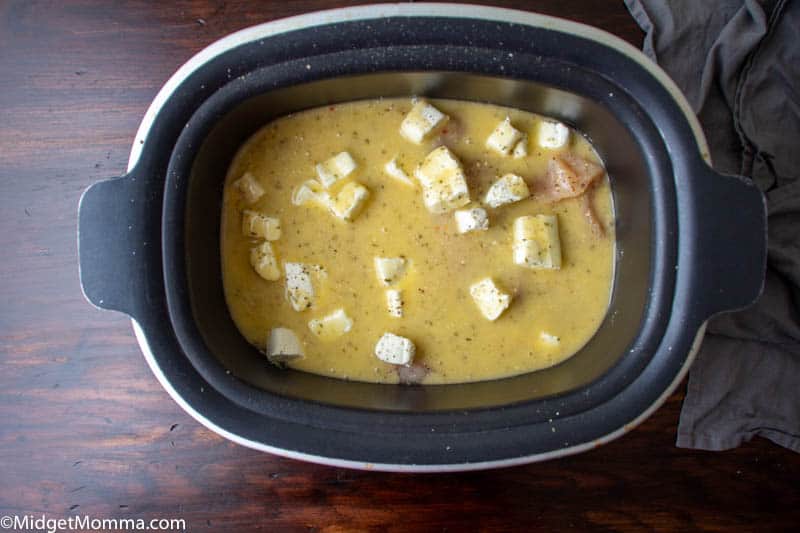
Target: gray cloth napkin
738	62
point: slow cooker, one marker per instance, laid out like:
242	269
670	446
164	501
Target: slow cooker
690	243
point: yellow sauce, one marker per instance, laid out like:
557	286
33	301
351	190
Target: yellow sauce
454	342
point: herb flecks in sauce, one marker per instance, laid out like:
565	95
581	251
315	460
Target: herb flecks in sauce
552	312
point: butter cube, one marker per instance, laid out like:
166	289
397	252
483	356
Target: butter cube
349	202
331	326
336	168
394	303
310	192
395	349
393	169
443	181
249	187
420	121
489	298
521	148
390	269
504	138
536	242
283	345
552	135
549	340
299	285
260	226
508	189
264	262
474	219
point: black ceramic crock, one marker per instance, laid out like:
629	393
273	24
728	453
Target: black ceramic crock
690	242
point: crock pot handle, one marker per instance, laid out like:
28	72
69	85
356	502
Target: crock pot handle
729	241
116	223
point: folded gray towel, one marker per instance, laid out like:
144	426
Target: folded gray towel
738	62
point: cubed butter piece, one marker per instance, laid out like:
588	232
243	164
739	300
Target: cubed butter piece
264	262
521	148
336	168
390	269
549	340
394	170
474	219
508	189
420	121
299	284
394	303
489	298
249	187
552	135
395	349
349	202
536	242
331	326
310	192
283	345
504	138
443	181
260	226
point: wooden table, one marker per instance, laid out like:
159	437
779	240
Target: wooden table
86	429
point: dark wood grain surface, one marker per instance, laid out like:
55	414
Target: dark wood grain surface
86	429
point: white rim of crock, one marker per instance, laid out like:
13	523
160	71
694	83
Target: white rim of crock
367	12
